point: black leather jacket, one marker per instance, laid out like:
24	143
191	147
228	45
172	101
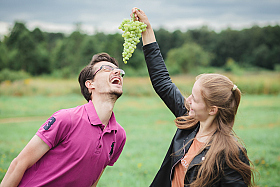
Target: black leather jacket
174	100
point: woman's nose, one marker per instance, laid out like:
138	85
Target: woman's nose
189	99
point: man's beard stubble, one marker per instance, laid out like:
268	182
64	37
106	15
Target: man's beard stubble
114	95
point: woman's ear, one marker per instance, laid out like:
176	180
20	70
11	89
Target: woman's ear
213	110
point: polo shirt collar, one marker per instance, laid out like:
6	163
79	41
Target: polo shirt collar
94	119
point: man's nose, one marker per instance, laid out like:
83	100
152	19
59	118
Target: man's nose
117	71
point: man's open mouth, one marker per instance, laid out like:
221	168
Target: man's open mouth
116	80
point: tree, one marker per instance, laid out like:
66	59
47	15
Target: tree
29	56
40	52
163	39
3	56
137	61
73	47
203	37
52	39
187	58
17	30
114	47
38	36
60	55
89	47
264	57
228	45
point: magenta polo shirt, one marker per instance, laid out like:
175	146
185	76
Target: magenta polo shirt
79	148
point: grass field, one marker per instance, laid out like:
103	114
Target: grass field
149	127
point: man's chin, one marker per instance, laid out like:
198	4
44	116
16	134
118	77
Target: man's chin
117	94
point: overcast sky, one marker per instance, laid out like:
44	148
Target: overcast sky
106	15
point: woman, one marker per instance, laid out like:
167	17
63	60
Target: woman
204	150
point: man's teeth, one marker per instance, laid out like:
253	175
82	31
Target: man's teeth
115	81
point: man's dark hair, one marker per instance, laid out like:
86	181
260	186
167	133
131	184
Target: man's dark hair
88	71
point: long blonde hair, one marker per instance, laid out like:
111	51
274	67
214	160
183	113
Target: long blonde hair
217	90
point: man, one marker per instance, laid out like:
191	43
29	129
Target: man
73	147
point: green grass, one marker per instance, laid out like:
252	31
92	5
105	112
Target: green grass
248	82
150	128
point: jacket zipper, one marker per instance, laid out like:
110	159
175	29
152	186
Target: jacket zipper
177	161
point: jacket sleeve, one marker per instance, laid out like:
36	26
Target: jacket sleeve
161	80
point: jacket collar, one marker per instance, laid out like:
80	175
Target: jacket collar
179	153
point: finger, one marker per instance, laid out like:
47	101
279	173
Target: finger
140	14
134	16
134	9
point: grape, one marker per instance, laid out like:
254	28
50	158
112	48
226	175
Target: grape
132	32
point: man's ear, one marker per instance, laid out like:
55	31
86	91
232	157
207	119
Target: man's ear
213	110
89	84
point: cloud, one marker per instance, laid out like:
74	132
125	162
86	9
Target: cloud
62	15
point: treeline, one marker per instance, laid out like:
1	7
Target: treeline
37	52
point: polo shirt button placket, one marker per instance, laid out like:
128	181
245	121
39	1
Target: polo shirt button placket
98	149
99	146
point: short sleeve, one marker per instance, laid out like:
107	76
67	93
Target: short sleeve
56	128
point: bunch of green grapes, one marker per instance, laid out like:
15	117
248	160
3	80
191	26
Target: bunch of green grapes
132	33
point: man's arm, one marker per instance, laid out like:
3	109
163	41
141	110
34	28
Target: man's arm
32	152
94	185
